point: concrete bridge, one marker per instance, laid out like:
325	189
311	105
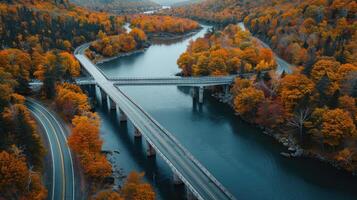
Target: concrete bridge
200	183
196	82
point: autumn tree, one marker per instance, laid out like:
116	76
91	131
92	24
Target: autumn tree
21	128
295	88
337	125
17	181
270	113
247	101
86	142
70	100
134	188
108	195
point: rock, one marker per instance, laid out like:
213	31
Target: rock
285	154
298	153
291	149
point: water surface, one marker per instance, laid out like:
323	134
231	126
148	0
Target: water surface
244	160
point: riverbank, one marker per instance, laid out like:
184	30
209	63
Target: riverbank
172	36
167	37
99	59
294	149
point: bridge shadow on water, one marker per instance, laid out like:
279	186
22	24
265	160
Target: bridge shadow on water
157	172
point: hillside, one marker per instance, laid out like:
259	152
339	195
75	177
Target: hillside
119	6
217	11
313	109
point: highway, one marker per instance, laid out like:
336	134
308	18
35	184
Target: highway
196	177
63	184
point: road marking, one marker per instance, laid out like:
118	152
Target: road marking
65	138
53	161
59	146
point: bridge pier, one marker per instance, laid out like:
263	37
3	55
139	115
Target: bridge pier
193	92
226	90
200	94
190	195
110	103
102	95
176	179
98	94
91	90
137	133
122	115
150	151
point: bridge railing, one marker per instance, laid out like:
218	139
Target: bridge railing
182	148
206	78
167	133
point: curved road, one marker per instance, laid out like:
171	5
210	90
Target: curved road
63	184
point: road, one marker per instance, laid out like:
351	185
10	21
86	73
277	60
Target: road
193	174
63	184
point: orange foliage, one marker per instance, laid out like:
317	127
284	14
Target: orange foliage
247	101
86	142
294	88
229	51
15	179
70	100
108	195
135	189
336	126
159	24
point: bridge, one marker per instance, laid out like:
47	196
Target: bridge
186	169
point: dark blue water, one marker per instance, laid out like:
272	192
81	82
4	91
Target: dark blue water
244	160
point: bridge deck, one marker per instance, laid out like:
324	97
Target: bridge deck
192	173
179	81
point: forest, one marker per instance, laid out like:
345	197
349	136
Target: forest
116	45
121	7
221	12
313	109
156	24
36	44
315	106
230	51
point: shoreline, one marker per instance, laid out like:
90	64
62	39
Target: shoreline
294	150
107	59
172	36
162	37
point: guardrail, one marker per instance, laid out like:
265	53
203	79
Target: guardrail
182	148
167	133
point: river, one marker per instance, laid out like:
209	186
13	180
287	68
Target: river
247	162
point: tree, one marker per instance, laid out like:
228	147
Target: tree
139	36
135	189
70	100
108	195
299	118
247	101
14	175
270	113
22	129
70	64
86	142
348	104
294	88
337	125
85	135
17	181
